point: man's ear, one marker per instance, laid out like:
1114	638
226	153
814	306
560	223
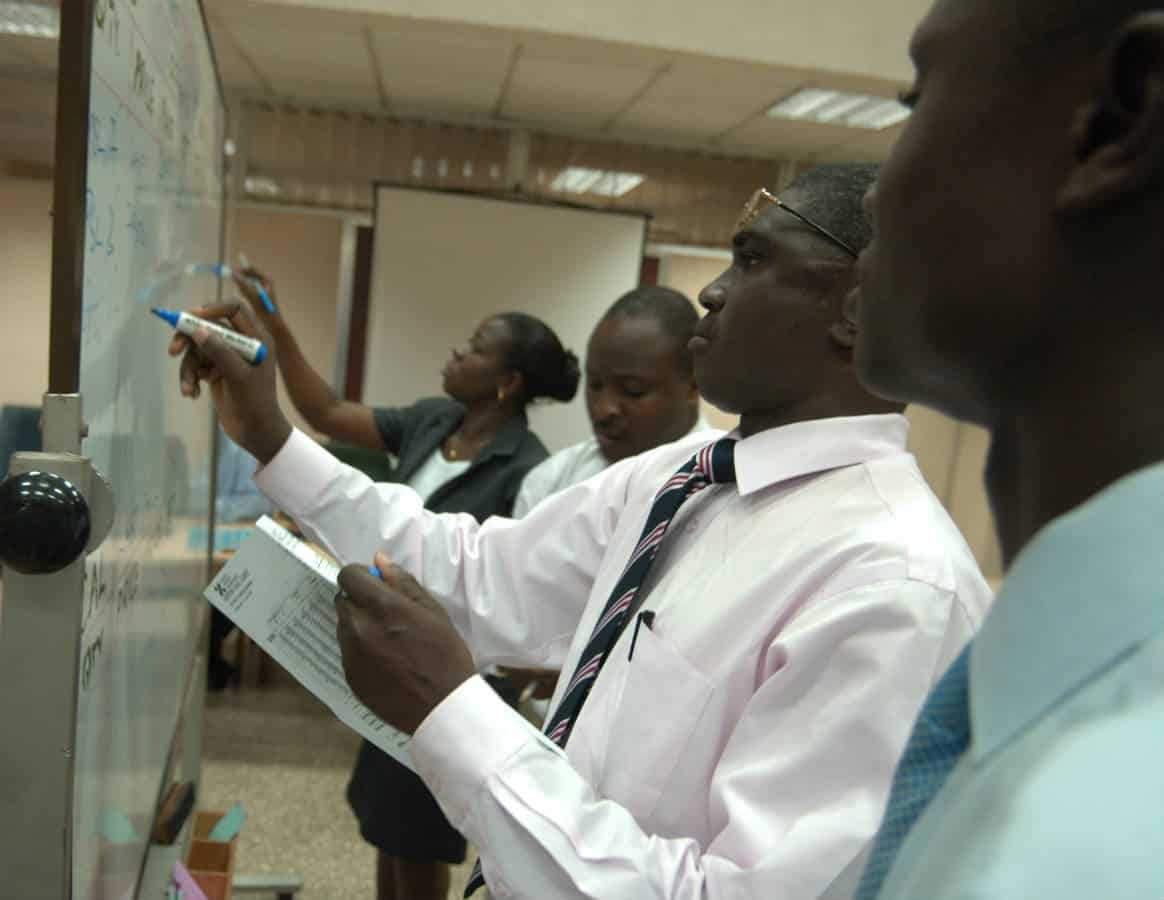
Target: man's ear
843	332
1118	136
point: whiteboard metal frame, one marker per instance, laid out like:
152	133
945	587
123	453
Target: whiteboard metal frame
40	628
40	669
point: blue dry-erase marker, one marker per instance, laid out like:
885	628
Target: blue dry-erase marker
249	348
375	573
258	285
208	269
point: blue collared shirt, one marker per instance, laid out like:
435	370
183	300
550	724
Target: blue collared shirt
1061	794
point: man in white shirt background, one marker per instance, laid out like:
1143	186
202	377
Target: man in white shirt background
741	733
640	394
640	390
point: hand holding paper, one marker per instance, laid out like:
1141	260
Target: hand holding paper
401	654
281	592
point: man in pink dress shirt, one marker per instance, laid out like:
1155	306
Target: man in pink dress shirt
744	745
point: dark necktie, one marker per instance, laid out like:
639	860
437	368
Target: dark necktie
713	464
939	738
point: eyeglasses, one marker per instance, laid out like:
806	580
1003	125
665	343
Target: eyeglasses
764	198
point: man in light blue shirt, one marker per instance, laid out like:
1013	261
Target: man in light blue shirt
1017	281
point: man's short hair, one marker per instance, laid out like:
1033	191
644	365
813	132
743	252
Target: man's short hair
672	311
833	196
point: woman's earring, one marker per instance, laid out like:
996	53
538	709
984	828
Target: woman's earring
500	396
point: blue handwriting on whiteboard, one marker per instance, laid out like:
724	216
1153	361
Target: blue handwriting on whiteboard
138	228
109	234
112	146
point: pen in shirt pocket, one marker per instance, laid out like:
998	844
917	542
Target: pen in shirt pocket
646	617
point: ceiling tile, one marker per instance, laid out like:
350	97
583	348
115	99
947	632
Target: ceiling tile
333	57
724	81
453	74
783	138
704	98
571	92
569	48
692	118
872	146
236	72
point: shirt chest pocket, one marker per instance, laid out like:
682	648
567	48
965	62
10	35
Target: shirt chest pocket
663	698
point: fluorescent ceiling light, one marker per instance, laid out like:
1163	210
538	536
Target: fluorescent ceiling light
261	185
579	180
802	103
880	115
837	108
29	19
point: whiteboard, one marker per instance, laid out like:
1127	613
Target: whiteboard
442	262
153	204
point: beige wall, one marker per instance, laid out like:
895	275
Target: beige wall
26	265
689	275
300	251
952	456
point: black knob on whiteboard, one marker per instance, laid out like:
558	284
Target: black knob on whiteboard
44	522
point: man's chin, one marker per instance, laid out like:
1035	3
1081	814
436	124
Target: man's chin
721	400
612	449
711	390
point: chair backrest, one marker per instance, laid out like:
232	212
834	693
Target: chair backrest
19	430
376	464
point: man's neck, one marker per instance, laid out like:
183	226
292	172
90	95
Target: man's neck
821	407
1068	433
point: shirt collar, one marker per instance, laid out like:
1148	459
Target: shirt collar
804	448
1083	592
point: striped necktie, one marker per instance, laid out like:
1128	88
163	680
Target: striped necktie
713	464
940	736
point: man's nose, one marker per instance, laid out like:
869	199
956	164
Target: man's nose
713	296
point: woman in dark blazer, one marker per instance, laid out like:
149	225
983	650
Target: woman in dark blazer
467	452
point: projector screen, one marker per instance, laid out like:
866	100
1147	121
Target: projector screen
442	262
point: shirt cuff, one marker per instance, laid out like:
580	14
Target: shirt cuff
296	477
468	737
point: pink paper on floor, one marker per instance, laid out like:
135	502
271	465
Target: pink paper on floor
186	884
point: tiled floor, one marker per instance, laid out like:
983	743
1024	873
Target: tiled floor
287	758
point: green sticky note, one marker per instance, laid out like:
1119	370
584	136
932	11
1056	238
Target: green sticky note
228	827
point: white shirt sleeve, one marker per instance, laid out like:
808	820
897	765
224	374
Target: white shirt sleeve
514	590
797	792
